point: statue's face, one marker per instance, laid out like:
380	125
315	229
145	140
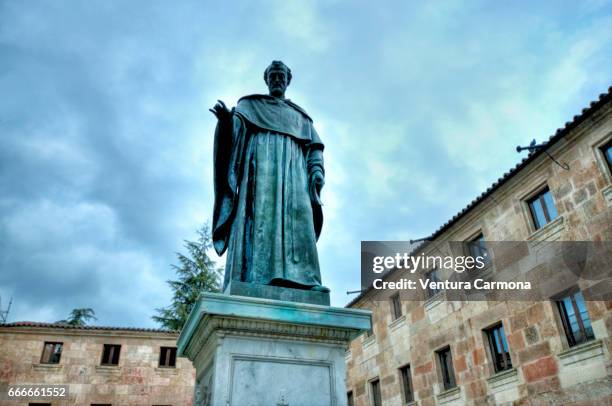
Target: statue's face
277	82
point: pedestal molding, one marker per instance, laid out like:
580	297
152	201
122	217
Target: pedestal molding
262	352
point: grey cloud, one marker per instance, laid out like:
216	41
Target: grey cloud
105	138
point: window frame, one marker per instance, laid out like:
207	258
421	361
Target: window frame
374	391
478	240
565	322
501	359
406	381
170	355
603	149
350	399
538	196
111	356
369	332
432	292
447	370
396	306
54	344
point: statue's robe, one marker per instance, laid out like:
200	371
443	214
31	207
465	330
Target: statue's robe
263	214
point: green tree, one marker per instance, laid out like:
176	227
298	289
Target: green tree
196	273
79	317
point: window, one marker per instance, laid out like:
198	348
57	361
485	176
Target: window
370	332
110	354
433	276
396	306
406	384
542	208
477	247
375	392
167	357
499	348
607	151
575	319
349	398
52	352
446	367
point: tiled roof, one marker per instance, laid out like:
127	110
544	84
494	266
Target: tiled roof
72	327
559	134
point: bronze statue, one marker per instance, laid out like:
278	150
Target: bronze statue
268	178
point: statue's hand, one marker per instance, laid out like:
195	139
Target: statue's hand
221	111
316	184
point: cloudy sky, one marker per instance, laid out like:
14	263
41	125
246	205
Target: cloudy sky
106	138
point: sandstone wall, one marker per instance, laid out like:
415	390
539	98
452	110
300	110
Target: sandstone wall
546	369
137	380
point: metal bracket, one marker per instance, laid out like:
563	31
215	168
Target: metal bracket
532	147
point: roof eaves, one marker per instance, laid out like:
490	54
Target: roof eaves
73	327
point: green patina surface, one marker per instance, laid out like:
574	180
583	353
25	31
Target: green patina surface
238	288
268	177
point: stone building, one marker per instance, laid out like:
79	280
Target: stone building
557	351
101	365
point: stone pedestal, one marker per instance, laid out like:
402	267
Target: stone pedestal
262	352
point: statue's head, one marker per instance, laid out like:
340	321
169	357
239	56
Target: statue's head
277	76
